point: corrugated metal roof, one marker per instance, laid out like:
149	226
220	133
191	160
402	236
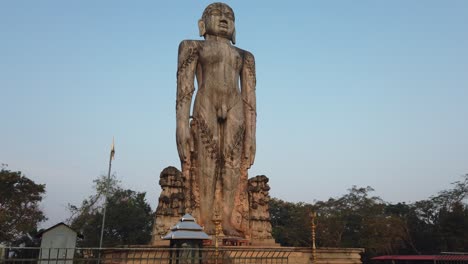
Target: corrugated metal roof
187	217
424	257
452	257
54	226
405	257
184	234
186	228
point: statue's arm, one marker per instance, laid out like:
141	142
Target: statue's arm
187	63
248	82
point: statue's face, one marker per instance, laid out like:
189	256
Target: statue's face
219	21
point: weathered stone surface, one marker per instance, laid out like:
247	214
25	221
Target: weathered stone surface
326	256
240	255
171	205
216	142
218	145
260	225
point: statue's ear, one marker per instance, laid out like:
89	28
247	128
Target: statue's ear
201	27
233	37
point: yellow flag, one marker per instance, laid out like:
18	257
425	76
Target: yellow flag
112	150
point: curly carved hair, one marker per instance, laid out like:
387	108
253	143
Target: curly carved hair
214	6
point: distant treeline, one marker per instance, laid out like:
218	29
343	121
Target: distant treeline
358	219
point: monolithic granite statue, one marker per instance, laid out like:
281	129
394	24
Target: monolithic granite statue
216	142
219	145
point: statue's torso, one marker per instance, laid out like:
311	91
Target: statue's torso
220	65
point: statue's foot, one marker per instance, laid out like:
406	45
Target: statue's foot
209	229
232	232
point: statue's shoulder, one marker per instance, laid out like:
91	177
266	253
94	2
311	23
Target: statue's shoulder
247	55
248	58
190	44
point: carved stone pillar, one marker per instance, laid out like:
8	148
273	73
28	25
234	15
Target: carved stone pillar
171	205
260	225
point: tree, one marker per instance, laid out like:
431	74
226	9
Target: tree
290	223
440	223
358	219
128	216
452	228
19	206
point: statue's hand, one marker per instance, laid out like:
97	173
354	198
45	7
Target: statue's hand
252	155
183	142
249	153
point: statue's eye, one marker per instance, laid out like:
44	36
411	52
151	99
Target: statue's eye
229	16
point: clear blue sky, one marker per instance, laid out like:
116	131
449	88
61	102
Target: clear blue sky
348	93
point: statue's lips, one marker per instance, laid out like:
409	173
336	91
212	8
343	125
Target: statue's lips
223	25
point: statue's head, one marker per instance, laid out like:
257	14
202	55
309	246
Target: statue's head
218	20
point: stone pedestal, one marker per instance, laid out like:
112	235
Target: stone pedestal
172	205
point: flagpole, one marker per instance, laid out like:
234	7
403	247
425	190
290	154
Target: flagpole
106	193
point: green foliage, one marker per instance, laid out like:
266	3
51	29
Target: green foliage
128	216
290	223
452	228
358	219
19	206
442	220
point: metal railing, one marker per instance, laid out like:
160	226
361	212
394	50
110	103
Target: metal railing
18	255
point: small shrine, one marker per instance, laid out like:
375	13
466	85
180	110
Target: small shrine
186	234
187	238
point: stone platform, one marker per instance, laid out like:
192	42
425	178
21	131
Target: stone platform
290	255
326	256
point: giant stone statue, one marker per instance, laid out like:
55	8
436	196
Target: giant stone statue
216	142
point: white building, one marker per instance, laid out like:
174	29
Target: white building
58	244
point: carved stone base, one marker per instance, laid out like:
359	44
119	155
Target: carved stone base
172	205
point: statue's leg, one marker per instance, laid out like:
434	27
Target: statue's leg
206	151
235	203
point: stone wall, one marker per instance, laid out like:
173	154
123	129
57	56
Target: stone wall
326	256
240	255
